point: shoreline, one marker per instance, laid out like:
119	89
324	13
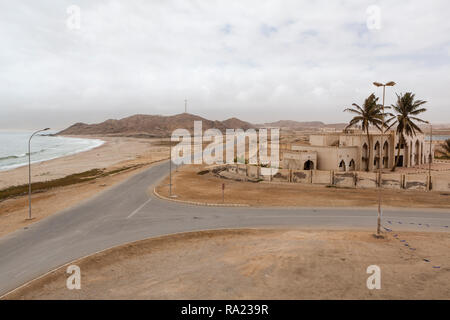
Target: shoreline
15	166
112	151
119	157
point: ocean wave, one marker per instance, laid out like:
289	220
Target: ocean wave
13	163
9	157
18	156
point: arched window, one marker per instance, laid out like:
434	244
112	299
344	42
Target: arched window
377	147
342	166
385	154
376	160
351	165
365	151
365	156
309	165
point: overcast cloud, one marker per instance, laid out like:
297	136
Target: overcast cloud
256	60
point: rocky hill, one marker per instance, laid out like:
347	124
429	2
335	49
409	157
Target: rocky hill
142	125
152	125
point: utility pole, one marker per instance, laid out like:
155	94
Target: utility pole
185	105
381	158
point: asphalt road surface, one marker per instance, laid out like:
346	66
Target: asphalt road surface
126	212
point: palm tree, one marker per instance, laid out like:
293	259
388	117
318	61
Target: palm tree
446	147
369	114
406	109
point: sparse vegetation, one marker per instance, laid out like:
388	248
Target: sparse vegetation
446	149
20	190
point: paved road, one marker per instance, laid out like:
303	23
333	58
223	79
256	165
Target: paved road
127	213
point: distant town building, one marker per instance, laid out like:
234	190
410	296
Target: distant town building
349	151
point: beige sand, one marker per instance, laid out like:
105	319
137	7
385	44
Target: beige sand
259	264
116	153
207	188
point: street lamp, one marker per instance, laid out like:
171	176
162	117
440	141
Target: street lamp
29	172
430	158
170	171
380	158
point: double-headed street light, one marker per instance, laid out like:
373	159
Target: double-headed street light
381	159
29	171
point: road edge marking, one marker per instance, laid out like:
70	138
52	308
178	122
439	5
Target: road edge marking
138	209
199	203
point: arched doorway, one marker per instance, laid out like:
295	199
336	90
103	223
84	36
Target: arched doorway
385	154
342	166
351	165
376	161
365	157
309	165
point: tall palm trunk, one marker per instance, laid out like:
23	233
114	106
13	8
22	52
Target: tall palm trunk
370	148
401	141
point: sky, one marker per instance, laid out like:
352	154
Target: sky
63	62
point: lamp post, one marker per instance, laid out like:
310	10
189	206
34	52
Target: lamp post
380	158
170	171
29	172
431	156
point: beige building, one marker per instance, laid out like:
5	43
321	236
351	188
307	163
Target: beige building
349	151
302	159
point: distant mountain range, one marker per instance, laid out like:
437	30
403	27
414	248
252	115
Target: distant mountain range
302	125
151	125
141	125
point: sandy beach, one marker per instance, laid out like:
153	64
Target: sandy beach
115	153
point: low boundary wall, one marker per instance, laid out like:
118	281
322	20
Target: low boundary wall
353	179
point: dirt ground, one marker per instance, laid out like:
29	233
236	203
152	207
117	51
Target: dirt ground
438	167
188	185
116	153
259	264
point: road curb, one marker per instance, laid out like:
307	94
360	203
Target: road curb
205	204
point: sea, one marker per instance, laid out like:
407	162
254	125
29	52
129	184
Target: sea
438	137
14	148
